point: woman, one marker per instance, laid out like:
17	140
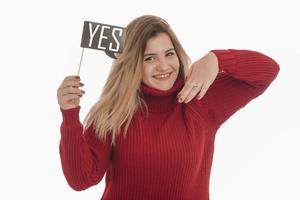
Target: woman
153	128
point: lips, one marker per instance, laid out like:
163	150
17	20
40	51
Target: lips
160	76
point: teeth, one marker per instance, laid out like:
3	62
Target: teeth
162	76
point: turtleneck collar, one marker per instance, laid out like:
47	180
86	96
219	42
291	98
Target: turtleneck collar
161	101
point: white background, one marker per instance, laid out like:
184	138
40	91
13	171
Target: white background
256	151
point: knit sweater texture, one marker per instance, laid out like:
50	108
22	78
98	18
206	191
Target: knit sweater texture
168	154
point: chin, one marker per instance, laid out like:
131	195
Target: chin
163	88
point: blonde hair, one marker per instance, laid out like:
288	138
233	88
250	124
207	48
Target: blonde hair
121	95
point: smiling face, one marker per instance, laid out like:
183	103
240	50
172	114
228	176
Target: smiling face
160	63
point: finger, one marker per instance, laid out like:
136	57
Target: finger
70	97
68	79
68	89
187	76
187	81
186	86
192	94
203	91
186	90
71	90
72	83
72	77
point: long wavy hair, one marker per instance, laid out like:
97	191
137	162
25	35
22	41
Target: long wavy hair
121	95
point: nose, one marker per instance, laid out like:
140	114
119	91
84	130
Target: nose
162	65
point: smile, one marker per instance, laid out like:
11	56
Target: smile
161	76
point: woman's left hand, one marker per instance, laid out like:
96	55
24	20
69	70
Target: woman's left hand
202	73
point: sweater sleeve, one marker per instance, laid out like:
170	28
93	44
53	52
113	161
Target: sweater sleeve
243	75
84	157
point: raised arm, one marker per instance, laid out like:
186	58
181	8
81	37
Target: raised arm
84	158
243	75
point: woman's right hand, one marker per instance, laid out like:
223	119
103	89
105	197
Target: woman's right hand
68	93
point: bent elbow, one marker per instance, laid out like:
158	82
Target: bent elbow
275	69
78	186
269	72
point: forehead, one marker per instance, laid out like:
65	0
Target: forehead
159	43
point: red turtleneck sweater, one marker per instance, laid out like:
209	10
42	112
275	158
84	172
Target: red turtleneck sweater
169	154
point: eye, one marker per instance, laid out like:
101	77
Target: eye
170	54
148	59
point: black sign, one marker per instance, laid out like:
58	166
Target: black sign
102	37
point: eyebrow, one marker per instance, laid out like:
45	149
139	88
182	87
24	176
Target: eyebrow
151	54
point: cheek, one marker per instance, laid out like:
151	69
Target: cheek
174	61
146	71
